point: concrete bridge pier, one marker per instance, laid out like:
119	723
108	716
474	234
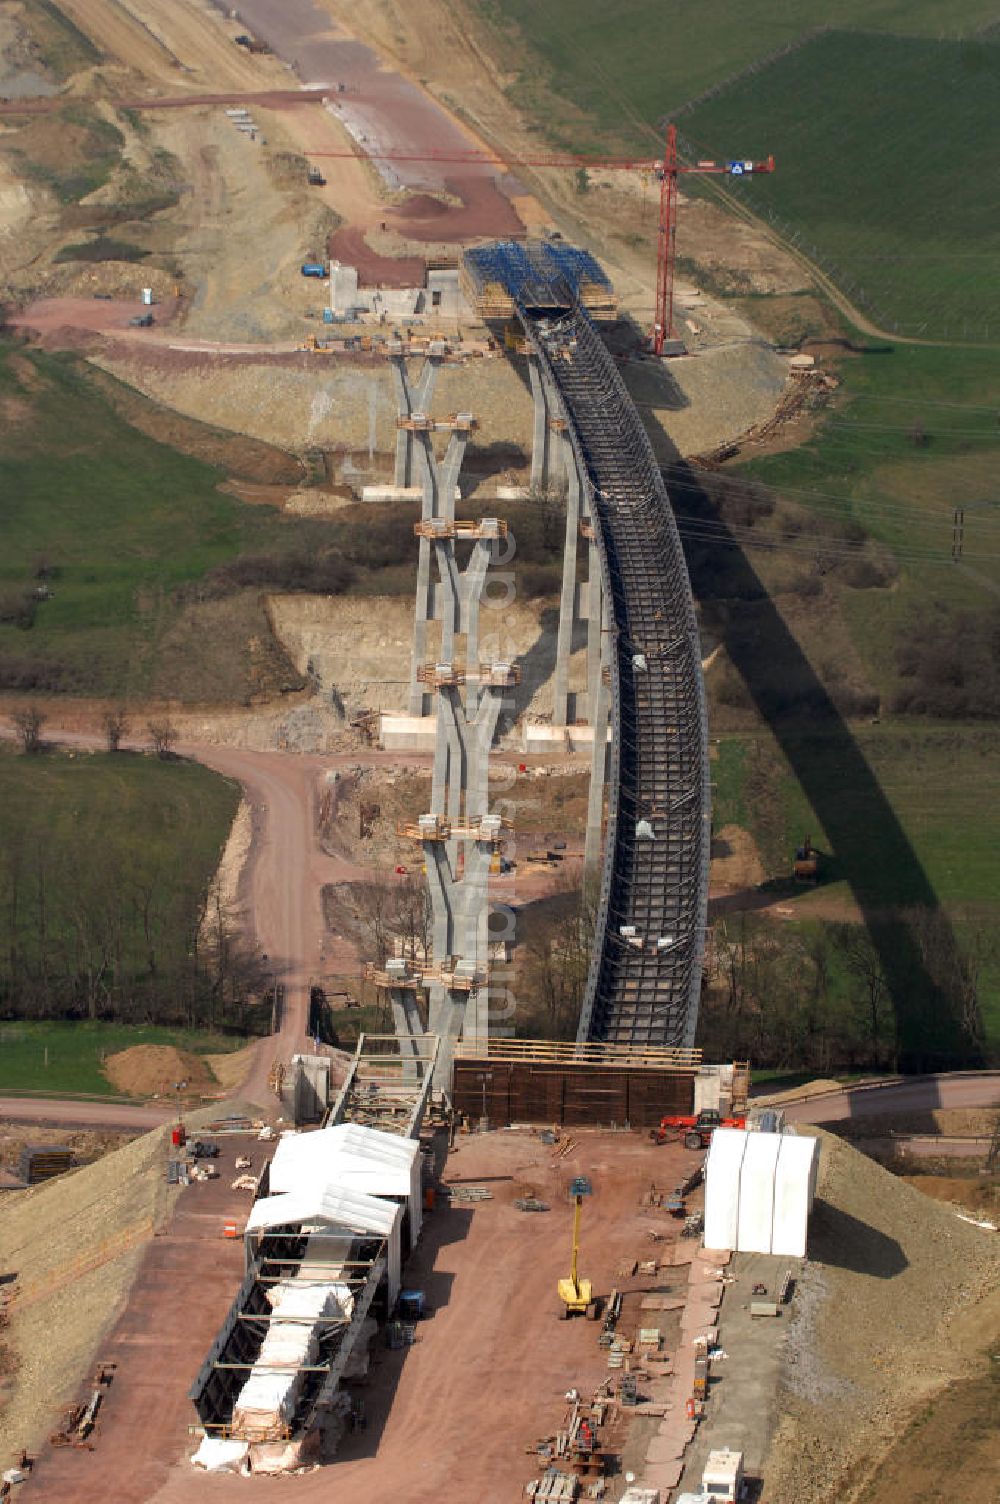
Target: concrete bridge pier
439	482
411	397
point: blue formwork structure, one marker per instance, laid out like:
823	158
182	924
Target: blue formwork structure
535	274
644	983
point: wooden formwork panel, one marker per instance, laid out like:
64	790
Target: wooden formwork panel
525	1092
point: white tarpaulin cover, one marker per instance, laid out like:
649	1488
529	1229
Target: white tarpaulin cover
760	1160
268	1397
326	1256
377	1164
311	1204
216	1454
794	1189
722	1187
352	1157
332	1207
311	1299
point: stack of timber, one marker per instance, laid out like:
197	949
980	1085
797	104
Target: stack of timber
40	1162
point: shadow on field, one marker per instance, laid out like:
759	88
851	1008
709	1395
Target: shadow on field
912	934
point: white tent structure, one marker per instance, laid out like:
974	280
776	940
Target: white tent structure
722	1201
331	1211
794	1191
354	1158
756	1209
759	1190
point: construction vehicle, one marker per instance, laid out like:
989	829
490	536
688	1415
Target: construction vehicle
577	1294
411	1305
722	1478
723	1475
316	178
321	346
251	43
805	868
697	1131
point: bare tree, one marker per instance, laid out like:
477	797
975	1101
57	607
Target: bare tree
116	725
954	971
375	912
864	963
412	919
549	504
28	723
164	737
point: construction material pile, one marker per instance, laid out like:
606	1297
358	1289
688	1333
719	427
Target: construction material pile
158	1070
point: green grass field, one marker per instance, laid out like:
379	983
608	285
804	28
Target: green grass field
123	521
941	785
66	1059
885	130
124	530
884	147
104	866
604	76
912	436
157	577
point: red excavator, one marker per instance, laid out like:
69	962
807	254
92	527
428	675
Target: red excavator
696	1132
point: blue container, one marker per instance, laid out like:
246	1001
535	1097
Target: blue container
313	269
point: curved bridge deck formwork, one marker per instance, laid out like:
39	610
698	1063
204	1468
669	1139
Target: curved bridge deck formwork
644	985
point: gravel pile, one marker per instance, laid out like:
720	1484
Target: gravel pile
889	1271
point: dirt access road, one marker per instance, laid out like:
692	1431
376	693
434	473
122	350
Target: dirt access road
448	1420
920	1094
281	885
383	112
63	1113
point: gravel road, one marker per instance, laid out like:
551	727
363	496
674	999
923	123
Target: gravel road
923	1094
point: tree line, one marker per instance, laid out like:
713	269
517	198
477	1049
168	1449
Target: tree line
813	998
106	914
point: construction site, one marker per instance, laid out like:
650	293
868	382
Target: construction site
409	1248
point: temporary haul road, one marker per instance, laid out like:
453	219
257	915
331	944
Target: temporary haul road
281	885
920	1094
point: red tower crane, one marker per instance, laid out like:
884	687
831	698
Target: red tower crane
667	168
663	314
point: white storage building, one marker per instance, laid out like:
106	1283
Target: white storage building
722	1186
756	1208
759	1190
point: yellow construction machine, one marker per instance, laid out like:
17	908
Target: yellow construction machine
576	1294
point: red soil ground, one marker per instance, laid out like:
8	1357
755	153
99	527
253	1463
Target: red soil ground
449	1419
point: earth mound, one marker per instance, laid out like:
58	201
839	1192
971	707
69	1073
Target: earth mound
148	1070
422	206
